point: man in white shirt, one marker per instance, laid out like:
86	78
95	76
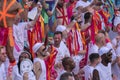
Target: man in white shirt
39	63
62	50
2	60
88	69
68	64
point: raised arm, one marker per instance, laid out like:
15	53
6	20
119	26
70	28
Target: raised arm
37	69
32	23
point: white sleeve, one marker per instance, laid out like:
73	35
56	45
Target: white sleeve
13	74
114	42
4	74
67	52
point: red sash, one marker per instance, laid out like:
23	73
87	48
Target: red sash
95	25
51	73
3	36
73	40
36	35
105	15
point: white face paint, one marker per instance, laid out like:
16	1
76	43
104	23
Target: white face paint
26	66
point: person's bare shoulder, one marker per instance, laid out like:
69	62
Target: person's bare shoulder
15	7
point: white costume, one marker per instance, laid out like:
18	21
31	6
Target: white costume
88	70
17	76
2	72
104	71
114	42
62	52
112	34
79	57
19	35
116	70
43	68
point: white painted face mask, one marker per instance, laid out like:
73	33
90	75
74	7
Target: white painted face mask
26	66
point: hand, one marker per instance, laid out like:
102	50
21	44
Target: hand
25	76
50	40
49	49
39	6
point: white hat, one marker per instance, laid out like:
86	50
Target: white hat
36	47
78	4
39	3
116	21
60	28
82	4
103	50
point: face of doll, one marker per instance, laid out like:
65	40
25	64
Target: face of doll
26	66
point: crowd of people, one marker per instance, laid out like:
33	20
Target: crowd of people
59	40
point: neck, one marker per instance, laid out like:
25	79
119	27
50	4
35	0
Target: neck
16	23
99	45
92	64
68	70
57	46
41	57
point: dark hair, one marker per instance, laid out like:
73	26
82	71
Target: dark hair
1	47
87	16
65	76
93	56
58	32
67	61
35	1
